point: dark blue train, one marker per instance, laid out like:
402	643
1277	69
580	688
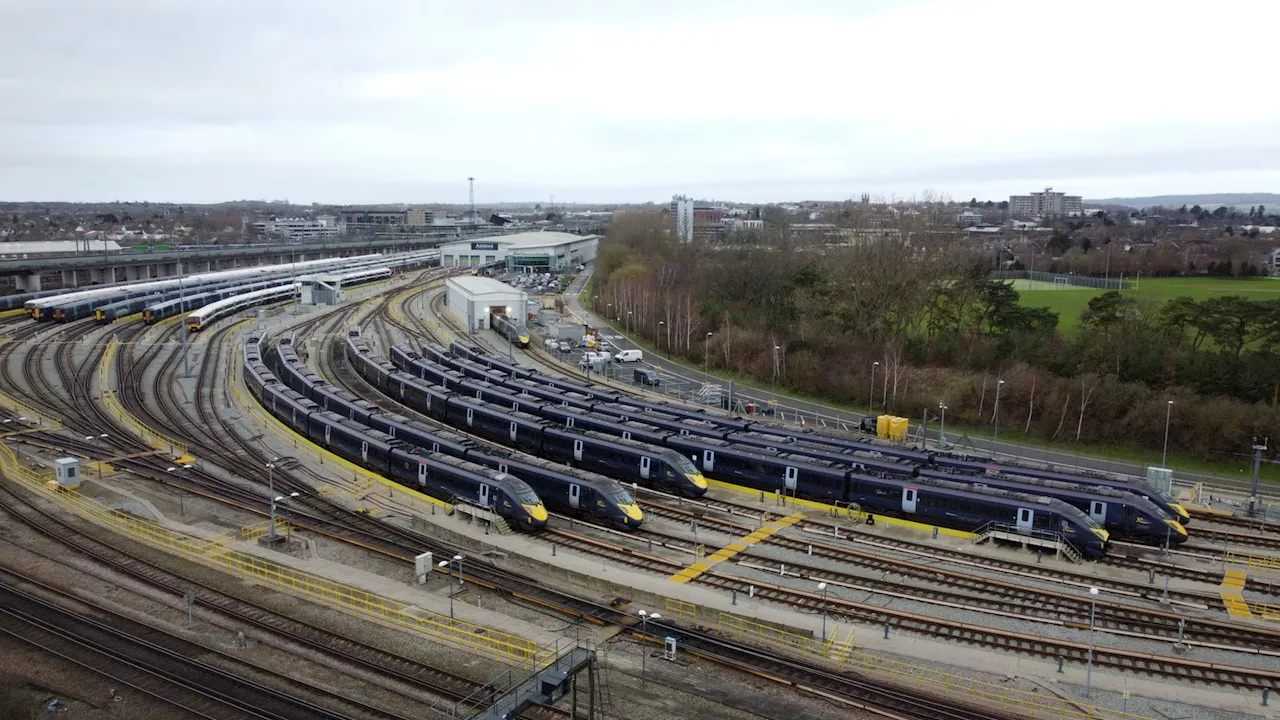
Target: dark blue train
435	474
472	362
579	493
617	457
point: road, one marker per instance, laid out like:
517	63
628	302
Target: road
817	414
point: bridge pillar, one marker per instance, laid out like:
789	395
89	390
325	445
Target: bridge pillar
132	273
27	283
69	278
103	275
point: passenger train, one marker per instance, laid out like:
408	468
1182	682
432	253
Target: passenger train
474	363
576	492
782	470
516	332
197	320
441	476
617	457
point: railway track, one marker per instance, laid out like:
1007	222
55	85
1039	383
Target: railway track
1147	663
355	652
158	664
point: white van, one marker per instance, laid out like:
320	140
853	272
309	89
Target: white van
628	356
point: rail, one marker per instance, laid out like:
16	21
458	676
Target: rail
223	556
152	437
844	653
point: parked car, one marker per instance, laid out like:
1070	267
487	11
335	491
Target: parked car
593	358
563	346
646	376
628	356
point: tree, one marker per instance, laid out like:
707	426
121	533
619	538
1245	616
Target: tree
1234	322
1004	205
1196	210
1106	309
1182	210
973	202
1086	245
1221	212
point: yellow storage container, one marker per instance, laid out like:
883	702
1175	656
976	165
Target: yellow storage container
882	426
898	428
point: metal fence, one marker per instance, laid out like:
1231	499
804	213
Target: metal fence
1063	279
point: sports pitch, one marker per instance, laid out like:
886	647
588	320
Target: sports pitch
1071	300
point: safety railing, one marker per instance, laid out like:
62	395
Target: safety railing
1203	492
739	627
221	555
1264	611
32	415
679	608
149	435
1256	563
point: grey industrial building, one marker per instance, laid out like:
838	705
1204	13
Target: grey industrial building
535	251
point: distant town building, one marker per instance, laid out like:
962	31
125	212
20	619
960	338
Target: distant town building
324	226
1272	261
1045	204
420	216
682	215
969	217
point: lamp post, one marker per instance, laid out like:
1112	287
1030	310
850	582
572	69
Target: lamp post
93	440
182	499
1164	457
996	414
706	355
644	656
823	587
773	384
628	322
271	529
942	433
271	466
658	340
871	401
445	564
594	299
1088	678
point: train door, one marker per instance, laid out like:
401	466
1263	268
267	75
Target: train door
575	495
327	428
644	466
577	450
1098	511
471	413
708	460
514	430
484	495
422	474
568	422
909	499
1025	518
792	475
626	434
364	452
502	466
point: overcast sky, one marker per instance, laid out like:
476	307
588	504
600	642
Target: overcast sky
597	101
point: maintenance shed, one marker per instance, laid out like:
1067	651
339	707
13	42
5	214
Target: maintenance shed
537	251
472	299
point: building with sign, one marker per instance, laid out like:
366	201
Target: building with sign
474	300
534	251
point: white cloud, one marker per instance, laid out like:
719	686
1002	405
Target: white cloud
391	101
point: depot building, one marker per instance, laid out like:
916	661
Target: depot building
530	251
473	299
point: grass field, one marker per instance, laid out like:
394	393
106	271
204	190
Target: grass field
1069	301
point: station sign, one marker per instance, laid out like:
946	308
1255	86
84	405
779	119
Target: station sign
484	246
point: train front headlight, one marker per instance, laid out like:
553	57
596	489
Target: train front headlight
698	480
1100	532
537	513
632	511
1177	526
1182	512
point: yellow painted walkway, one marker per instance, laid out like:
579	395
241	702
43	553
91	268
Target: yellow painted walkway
734	548
1232	590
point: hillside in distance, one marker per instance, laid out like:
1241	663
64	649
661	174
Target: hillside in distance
1208	200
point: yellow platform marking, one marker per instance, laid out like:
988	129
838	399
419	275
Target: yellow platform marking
1231	592
734	548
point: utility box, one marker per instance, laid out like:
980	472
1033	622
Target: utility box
1160	479
422	567
67	471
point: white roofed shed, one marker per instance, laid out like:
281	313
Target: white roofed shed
473	299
